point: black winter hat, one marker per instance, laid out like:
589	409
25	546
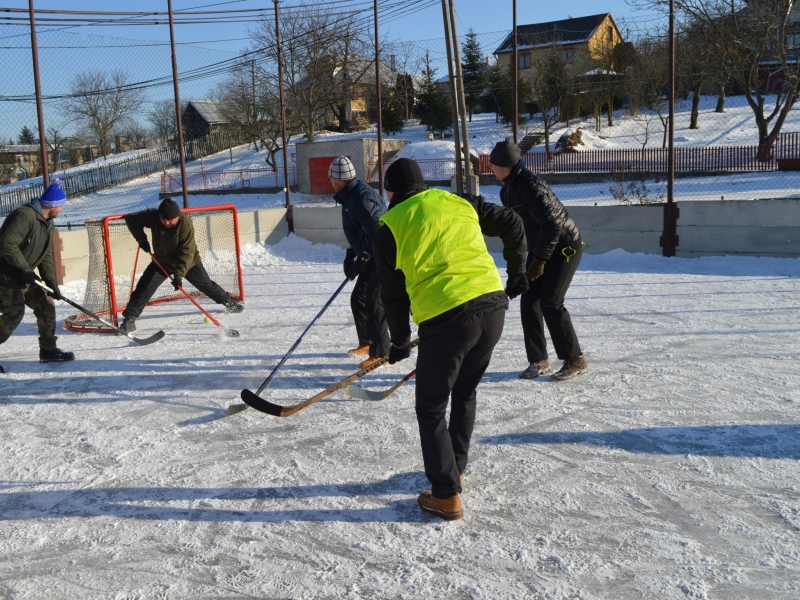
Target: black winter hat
403	173
505	153
168	209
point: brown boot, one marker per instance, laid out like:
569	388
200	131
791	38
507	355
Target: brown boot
571	368
369	362
535	369
360	351
448	509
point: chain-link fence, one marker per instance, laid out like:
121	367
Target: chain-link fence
591	91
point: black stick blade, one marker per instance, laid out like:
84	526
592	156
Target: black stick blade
144	342
262	405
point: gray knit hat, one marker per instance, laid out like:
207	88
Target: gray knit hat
505	153
342	168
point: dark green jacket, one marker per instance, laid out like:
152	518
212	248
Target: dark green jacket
174	248
26	243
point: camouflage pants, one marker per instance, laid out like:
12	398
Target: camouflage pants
12	308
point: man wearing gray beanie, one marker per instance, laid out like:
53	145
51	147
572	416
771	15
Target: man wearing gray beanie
554	253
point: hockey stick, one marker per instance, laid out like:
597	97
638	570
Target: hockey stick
142	342
276	410
230	332
361	394
235	408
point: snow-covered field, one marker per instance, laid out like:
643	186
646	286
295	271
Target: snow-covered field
670	470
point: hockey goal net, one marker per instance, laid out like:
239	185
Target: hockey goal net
116	262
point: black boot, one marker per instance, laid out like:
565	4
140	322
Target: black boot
2	370
128	324
234	307
55	355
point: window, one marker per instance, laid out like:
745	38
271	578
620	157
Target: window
568	55
793	41
524	61
609	34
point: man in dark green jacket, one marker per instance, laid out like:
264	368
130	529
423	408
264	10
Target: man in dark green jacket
25	246
173	245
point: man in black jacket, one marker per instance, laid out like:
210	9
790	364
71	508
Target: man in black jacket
25	246
362	206
554	253
432	261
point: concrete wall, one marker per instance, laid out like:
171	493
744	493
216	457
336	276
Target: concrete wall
361	153
749	228
739	227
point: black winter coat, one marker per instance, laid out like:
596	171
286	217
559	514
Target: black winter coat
26	243
362	206
548	225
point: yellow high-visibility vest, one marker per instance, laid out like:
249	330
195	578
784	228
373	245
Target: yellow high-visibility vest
441	251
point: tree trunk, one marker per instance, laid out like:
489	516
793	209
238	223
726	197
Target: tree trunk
611	112
695	109
721	101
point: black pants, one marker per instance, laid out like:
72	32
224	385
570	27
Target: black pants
451	363
544	303
365	302
153	277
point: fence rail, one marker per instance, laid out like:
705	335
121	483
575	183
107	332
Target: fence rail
687	160
228	179
78	182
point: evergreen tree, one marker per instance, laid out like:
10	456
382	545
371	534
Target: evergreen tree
433	105
474	70
391	113
26	136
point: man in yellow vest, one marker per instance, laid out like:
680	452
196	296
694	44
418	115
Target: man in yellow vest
432	261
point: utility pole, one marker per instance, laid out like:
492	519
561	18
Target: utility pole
462	105
279	51
255	109
39	109
514	68
379	101
453	98
178	120
669	238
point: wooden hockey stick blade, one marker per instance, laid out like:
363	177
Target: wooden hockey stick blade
237	408
361	394
276	410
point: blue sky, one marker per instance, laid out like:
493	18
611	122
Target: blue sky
423	24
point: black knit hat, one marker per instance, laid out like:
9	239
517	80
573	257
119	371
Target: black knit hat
505	153
168	210
403	173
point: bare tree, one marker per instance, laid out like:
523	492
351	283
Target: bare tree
164	120
102	101
552	86
318	44
751	38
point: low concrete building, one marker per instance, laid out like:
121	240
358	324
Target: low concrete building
313	159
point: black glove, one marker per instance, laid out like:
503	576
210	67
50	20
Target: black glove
348	261
516	284
360	265
56	293
177	283
536	269
28	277
145	245
398	353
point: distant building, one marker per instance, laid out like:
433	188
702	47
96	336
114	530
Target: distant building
203	117
580	41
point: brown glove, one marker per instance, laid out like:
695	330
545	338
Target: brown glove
536	269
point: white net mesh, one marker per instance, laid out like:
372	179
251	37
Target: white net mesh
112	248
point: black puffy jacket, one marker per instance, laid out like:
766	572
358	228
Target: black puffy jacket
548	225
362	206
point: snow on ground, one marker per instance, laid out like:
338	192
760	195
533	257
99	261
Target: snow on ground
670	470
734	127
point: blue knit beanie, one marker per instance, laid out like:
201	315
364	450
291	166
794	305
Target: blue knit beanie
53	196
